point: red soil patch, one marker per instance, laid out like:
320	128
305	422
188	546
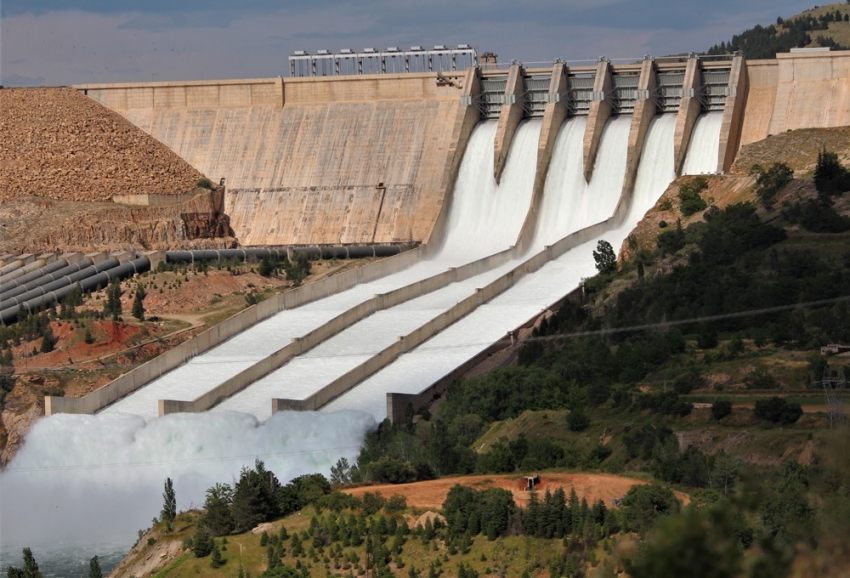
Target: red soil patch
432	494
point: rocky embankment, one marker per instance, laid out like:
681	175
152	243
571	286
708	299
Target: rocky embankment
60	144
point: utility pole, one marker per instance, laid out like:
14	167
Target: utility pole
833	387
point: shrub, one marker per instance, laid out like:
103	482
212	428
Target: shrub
669	242
720	409
686	383
770	181
760	379
777	410
830	177
204	183
578	420
690	201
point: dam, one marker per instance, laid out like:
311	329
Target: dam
501	179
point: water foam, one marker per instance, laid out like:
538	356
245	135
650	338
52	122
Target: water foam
93	481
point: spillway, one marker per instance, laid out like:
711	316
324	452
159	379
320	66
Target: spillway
485	219
702	158
418	369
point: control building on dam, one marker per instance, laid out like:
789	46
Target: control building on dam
506	177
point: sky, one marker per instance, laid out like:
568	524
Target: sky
65	42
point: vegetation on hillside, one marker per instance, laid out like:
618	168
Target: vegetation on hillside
807	29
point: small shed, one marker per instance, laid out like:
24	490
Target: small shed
531	481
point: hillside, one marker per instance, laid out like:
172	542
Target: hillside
59	144
825	26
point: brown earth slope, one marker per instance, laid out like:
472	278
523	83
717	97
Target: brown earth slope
58	143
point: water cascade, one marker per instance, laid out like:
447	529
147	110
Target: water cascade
417	369
485	218
702	155
117	461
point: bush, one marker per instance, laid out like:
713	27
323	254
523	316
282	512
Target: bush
720	409
777	410
771	181
686	383
830	177
760	379
578	420
204	183
669	242
690	201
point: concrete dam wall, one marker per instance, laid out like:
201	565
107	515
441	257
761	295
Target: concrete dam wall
352	160
373	159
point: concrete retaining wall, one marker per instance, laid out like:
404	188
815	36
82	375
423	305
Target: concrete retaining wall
796	90
147	372
339	323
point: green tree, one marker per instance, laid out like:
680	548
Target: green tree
644	504
202	543
720	409
691	544
578	420
254	497
88	338
48	341
689	196
94	568
169	505
139	303
218	517
112	305
30	569
606	259
216	561
830	177
771	181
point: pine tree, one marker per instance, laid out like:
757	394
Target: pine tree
169	505
48	341
138	303
88	338
30	569
94	568
217	561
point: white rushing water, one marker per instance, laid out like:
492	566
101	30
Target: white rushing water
117	460
491	213
95	480
702	158
482	210
83	485
418	369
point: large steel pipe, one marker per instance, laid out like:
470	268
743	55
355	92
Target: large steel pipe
100	275
33	275
45	279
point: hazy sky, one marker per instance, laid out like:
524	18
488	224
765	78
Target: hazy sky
61	42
